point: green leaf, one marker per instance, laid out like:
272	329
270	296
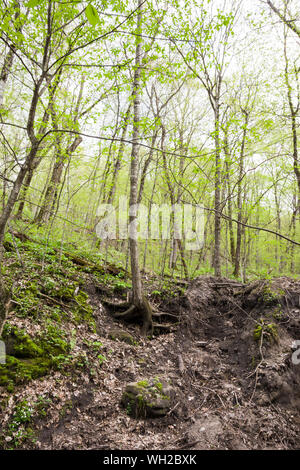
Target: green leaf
33	3
92	15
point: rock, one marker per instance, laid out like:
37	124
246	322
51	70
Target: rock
147	398
122	335
20	345
207	431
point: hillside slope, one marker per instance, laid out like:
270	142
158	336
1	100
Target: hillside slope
227	354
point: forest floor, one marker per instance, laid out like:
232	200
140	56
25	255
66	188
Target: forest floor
228	358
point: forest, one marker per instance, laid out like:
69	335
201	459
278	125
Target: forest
149	224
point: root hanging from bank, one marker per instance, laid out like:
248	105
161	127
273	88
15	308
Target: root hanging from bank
133	313
153	318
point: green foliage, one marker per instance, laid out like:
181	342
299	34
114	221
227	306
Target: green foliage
270	296
26	300
17	371
33	3
21	345
92	15
54	340
143	384
42	405
264	330
101	358
18	428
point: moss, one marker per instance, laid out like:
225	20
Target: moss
146	398
135	404
28	359
53	341
122	336
65	293
143	384
270	295
158	384
19	344
83	312
268	330
17	371
26	300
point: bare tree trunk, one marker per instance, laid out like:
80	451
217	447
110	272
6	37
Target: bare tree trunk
138	299
8	60
294	109
52	190
229	203
217	232
239	229
118	161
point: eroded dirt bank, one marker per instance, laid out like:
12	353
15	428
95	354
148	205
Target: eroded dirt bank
229	361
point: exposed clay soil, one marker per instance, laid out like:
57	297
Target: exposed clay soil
232	391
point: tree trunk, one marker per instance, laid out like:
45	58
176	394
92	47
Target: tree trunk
8	60
217	232
51	193
138	299
239	229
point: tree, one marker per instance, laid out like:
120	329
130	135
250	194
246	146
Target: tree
205	58
286	18
139	304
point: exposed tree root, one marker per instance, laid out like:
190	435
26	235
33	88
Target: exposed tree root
164	326
159	314
130	314
133	313
116	305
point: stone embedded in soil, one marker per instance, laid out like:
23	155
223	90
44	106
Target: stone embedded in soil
121	335
206	432
147	398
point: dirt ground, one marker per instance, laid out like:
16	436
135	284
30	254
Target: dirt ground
229	361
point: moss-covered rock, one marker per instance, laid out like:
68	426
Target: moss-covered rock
19	344
121	335
17	371
27	358
147	398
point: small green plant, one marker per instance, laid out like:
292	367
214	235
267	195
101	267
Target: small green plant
18	427
270	296
93	345
269	331
41	406
158	384
129	409
101	358
278	313
23	414
156	293
143	383
68	405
